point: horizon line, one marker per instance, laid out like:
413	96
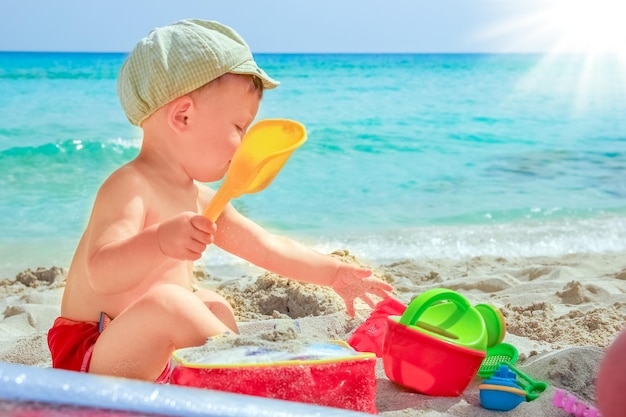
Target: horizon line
321	52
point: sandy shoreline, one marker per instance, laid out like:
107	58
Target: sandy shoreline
561	313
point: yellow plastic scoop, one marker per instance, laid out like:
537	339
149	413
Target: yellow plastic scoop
263	151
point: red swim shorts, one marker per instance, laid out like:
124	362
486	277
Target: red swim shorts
71	344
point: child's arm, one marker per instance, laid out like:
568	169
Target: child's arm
122	252
244	238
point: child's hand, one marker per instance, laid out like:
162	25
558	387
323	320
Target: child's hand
185	236
352	282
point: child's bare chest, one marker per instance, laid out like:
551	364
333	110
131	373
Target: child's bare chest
168	205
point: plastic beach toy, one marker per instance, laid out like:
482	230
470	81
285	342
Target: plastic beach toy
326	373
266	147
574	406
494	323
501	392
447	315
532	388
369	336
437	346
496	356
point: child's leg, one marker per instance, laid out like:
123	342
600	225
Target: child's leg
138	343
220	307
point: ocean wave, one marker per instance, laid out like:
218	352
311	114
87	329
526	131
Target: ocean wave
510	240
59	66
73	147
46	190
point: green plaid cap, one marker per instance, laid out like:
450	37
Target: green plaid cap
177	59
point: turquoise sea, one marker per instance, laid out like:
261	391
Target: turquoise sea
407	155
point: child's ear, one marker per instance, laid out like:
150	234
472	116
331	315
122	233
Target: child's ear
178	113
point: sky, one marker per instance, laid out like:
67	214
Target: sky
334	26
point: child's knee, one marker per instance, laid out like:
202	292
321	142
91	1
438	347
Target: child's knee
220	307
213	300
172	305
169	300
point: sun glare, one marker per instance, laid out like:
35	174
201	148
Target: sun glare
562	26
587	36
588	26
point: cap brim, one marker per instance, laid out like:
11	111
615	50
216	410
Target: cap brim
251	68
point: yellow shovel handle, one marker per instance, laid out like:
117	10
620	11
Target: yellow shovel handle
217	204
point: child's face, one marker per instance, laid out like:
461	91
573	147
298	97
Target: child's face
223	111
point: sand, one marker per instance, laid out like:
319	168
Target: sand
561	314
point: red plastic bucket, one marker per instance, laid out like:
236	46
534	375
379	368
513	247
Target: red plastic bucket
427	364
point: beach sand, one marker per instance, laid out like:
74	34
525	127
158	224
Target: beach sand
561	314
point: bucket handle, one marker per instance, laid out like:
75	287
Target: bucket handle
425	300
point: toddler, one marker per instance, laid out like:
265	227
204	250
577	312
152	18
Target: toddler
194	89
